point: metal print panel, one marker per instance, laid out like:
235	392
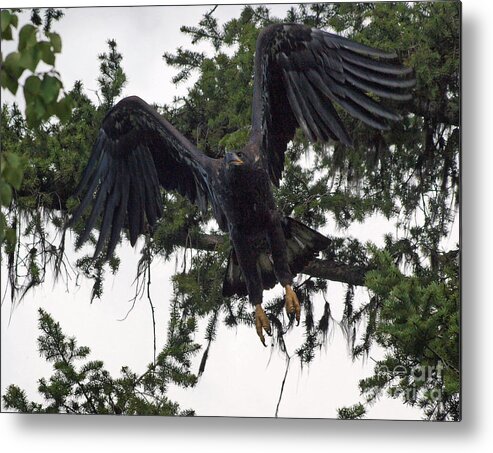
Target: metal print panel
232	210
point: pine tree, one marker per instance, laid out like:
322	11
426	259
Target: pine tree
82	386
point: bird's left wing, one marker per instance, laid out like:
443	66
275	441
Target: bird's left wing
301	72
135	153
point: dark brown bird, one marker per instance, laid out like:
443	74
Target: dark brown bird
300	73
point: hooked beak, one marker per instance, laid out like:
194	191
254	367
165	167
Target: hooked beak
232	158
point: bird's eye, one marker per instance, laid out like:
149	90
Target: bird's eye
240	154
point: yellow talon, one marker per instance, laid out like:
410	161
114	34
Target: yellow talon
292	304
261	323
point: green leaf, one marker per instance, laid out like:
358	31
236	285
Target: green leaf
12	172
13	160
32	87
6	81
3	226
5	193
14	177
35	112
5	19
7	34
12	66
56	42
50	87
63	108
27	37
47	54
10	236
30	58
14	20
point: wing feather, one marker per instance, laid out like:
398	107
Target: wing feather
338	41
327	113
374	65
300	72
376	77
379	90
306	119
136	199
135	154
120	210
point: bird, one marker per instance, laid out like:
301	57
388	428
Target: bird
300	75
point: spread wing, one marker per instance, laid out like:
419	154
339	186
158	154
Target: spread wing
135	153
301	72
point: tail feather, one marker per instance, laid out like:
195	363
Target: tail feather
303	245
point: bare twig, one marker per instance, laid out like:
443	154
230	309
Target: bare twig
152	311
288	362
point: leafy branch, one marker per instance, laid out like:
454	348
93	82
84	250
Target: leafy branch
82	386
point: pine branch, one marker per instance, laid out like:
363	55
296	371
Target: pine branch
318	268
445	114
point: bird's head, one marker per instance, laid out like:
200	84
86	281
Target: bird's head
235	159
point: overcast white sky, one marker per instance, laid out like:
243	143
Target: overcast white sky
242	378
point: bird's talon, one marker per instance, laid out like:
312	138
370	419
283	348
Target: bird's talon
262	323
262	340
292	305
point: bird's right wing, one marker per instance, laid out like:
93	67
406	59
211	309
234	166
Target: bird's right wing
137	152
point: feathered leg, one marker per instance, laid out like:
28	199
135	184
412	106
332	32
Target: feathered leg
278	247
247	259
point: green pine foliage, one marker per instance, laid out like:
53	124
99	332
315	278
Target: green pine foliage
408	175
416	320
351	413
82	386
